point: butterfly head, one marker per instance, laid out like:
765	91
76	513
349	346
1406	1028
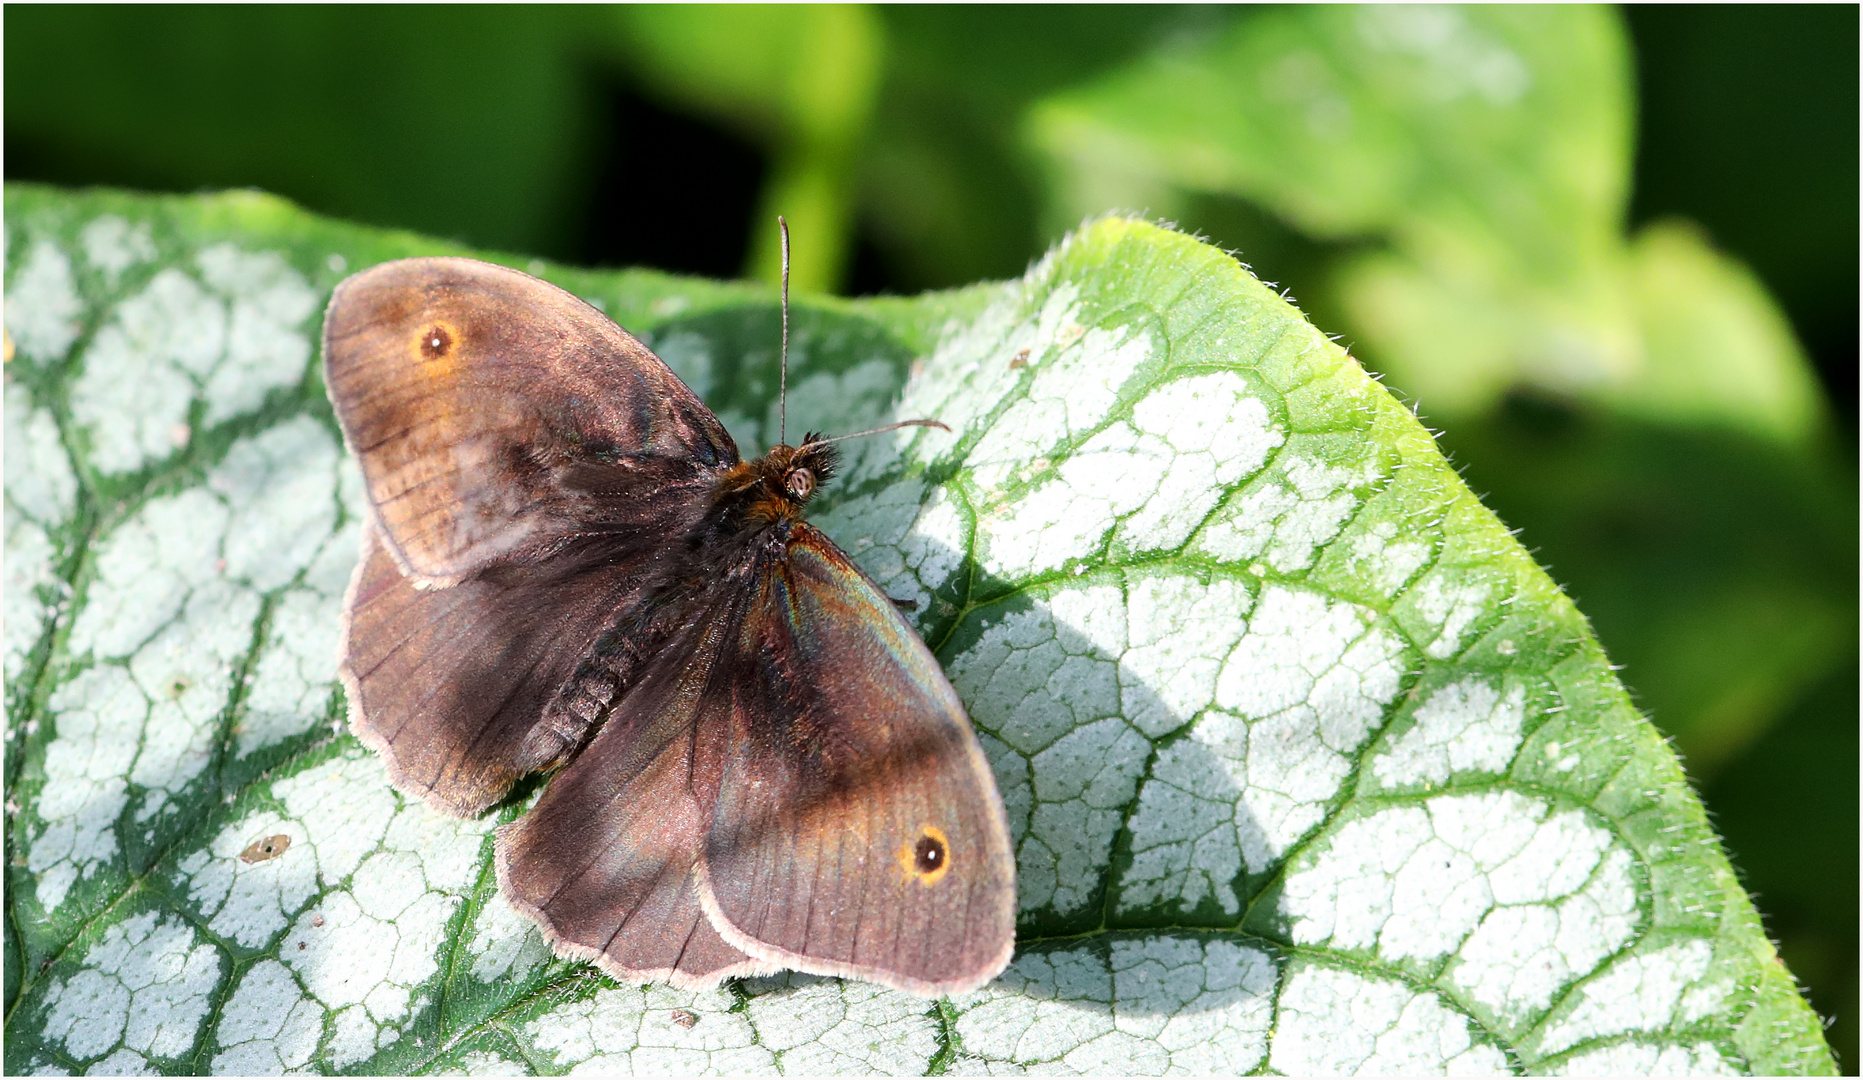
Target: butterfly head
799	471
779	484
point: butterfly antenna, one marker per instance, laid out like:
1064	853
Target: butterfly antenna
782	373
939	424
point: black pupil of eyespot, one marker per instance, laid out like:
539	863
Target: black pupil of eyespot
930	854
435	342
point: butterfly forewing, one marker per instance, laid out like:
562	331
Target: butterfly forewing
857	828
463	387
523	450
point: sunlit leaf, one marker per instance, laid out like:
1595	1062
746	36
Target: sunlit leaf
1308	766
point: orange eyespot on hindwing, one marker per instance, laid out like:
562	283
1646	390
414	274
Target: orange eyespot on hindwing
927	856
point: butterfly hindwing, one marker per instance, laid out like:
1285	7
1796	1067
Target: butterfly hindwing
606	862
453	685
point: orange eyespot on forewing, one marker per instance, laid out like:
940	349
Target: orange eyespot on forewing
927	856
437	340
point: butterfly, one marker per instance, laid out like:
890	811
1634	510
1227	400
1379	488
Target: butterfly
568	568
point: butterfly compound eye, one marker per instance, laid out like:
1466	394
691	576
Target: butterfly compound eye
801	482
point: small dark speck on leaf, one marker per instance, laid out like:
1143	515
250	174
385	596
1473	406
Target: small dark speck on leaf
1020	360
317	920
270	847
684	1019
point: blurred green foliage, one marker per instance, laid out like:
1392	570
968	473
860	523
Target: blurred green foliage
1480	158
1451	189
800	78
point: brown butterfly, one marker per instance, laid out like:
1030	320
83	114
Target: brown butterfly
568	567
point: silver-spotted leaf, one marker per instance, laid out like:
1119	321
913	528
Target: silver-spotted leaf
1309	767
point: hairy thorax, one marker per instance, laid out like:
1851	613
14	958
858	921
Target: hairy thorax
753	506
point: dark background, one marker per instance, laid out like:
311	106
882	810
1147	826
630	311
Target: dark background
1748	125
532	131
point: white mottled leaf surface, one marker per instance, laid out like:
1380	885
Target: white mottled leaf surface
1309	769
